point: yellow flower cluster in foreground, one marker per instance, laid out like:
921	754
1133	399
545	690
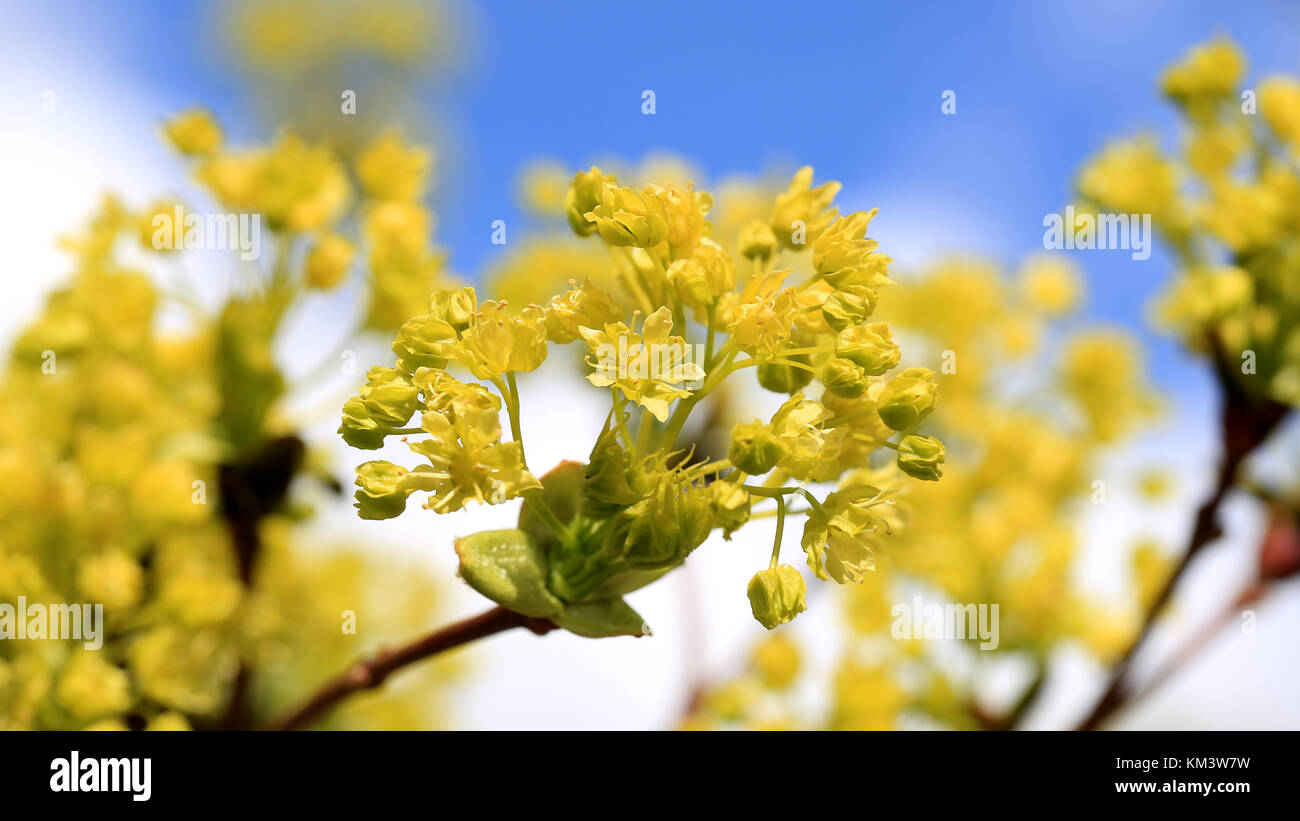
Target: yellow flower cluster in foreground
674	311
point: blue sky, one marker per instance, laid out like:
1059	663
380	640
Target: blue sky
741	87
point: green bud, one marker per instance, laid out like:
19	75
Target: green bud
870	346
849	305
421	343
383	487
730	503
908	398
358	429
389	396
754	448
784	378
776	595
921	456
844	378
668	524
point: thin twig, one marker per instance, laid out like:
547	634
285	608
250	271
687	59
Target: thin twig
1246	422
1206	531
369	674
1200	640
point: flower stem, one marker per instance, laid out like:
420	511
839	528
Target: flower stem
708	345
780	531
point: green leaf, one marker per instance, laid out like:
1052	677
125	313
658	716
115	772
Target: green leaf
606	486
620	584
509	568
602	619
562	493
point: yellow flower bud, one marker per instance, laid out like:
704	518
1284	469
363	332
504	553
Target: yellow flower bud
585	307
1208	72
921	457
383	487
730	505
845	378
757	241
423	342
844	243
849	305
1050	284
776	595
237	180
90	687
397	234
782	378
160	221
803	209
358	429
389	396
764	314
391	170
1279	102
626	216
327	262
113	578
908	398
304	187
777	660
185	670
870	346
755	449
194	132
583	196
455	306
686	212
705	275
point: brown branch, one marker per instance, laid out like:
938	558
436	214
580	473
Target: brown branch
369	674
252	487
1279	560
1251	595
1206	531
1246	422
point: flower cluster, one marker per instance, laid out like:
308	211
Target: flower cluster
1001	526
1228	205
676	311
305	193
146	411
126	436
